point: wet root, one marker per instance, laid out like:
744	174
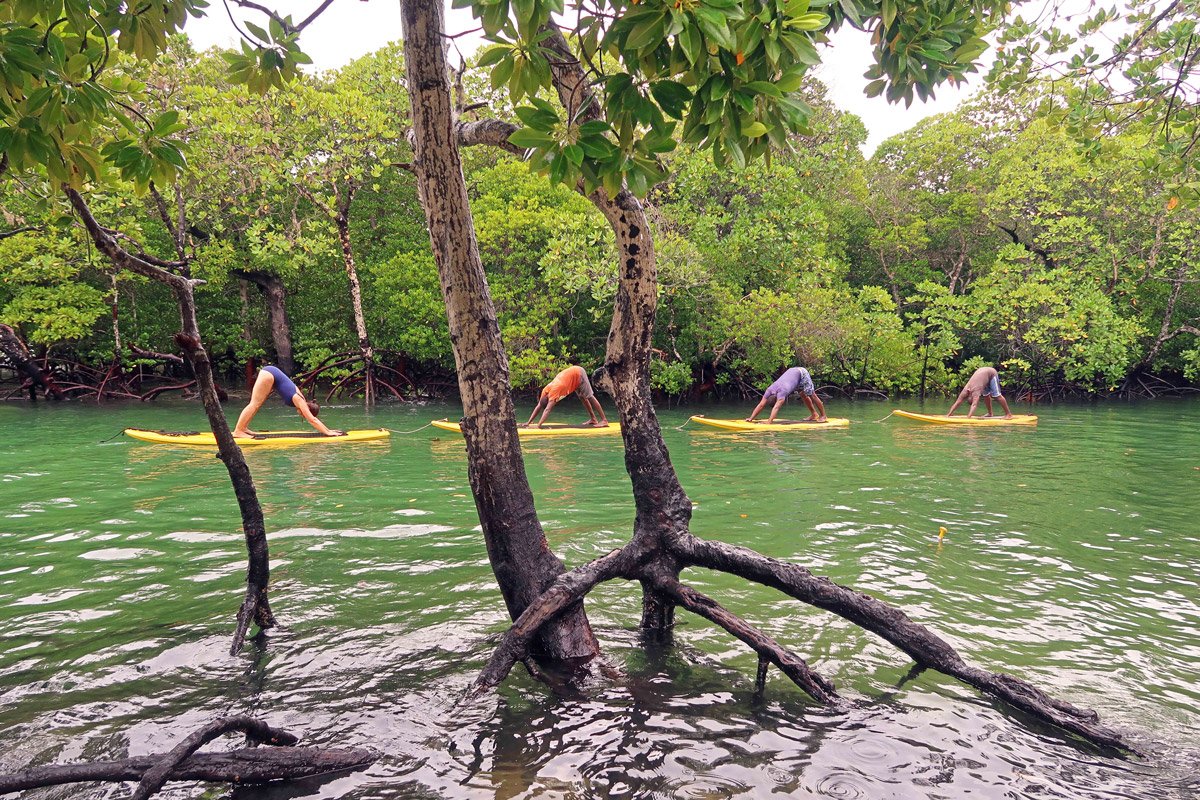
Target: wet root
279	761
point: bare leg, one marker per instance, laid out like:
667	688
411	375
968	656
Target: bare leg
593	404
258	395
1004	405
775	410
987	399
816	407
974	405
757	409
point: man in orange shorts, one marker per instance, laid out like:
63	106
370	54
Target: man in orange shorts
571	379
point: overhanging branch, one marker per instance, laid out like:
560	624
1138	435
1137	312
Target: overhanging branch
492	132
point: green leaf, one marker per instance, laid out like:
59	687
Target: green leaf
257	31
537	118
645	33
593	127
574	154
672	97
493	55
808	22
763	87
754	130
529	138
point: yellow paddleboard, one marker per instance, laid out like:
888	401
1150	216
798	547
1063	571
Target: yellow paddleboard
264	437
942	419
777	425
549	429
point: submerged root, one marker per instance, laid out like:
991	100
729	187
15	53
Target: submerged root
278	761
927	649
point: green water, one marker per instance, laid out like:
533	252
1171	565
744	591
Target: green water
1070	559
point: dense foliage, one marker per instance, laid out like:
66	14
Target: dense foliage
1062	251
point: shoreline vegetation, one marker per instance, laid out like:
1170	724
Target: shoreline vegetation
99	383
981	236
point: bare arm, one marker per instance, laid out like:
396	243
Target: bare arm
302	406
536	409
550	404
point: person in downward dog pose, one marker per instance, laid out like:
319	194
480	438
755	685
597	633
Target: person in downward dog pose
794	379
273	378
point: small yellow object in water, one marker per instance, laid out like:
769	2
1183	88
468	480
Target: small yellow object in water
941	533
339	505
743	516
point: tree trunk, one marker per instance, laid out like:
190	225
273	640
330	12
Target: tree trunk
663	508
360	321
516	544
255	606
272	288
18	354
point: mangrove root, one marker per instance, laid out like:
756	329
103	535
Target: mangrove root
251	765
925	648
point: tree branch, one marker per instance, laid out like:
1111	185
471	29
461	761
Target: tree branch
168	357
23	229
247	766
768	649
283	24
257	731
1038	251
106	243
493	132
893	625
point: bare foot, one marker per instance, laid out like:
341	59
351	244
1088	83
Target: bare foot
602	423
823	419
1008	416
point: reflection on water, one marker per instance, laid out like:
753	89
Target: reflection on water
1069	559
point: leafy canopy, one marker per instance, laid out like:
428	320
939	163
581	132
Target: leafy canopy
723	75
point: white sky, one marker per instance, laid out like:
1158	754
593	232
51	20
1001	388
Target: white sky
351	28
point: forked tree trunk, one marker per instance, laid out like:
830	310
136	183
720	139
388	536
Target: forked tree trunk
516	544
662	544
255	607
342	220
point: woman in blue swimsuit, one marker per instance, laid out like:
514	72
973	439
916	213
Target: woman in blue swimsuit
274	378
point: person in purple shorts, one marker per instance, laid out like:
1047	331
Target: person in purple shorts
984	382
794	379
273	378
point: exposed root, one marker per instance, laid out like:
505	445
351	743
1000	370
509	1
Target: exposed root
768	649
245	766
922	645
256	608
256	731
925	648
568	589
